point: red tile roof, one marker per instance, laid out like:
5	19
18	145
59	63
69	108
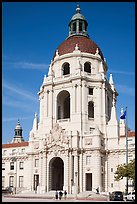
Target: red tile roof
84	43
19	144
130	134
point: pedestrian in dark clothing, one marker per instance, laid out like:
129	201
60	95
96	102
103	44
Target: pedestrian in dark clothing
60	195
56	195
65	194
97	190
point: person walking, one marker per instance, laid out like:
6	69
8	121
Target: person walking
97	190
56	195
60	195
65	194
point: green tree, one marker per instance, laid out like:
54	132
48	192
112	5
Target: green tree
125	170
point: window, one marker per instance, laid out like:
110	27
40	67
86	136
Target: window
88	160
91	109
74	26
11	165
11	181
21	165
87	67
111	169
20	181
13	151
36	162
23	151
111	185
80	26
3	166
63	105
90	91
4	152
91	130
66	68
3	181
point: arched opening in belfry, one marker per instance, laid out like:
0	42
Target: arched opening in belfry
63	105
56	174
66	68
87	67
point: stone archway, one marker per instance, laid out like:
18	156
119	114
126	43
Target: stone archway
56	174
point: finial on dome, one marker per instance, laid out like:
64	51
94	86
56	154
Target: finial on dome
57	53
78	9
18	123
111	79
76	47
97	51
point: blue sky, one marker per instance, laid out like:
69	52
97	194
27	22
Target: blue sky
31	32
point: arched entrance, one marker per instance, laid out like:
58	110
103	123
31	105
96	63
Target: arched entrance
56	174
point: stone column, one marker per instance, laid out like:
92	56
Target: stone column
81	172
41	99
66	173
76	173
45	170
30	174
50	103
98	106
79	102
40	170
84	107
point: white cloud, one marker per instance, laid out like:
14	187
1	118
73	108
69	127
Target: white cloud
121	72
27	65
21	92
15	118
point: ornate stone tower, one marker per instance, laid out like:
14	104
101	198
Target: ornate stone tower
77	111
18	133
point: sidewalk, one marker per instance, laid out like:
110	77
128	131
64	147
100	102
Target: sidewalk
93	196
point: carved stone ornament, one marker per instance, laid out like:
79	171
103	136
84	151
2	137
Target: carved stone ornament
36	145
57	134
88	141
55	152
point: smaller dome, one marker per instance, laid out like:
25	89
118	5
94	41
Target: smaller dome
18	126
78	16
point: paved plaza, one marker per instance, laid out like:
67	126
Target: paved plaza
50	197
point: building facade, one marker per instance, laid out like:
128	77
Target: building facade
77	141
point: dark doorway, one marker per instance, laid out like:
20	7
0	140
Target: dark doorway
36	181
56	174
63	105
89	182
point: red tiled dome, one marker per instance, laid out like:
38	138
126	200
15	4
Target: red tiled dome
84	44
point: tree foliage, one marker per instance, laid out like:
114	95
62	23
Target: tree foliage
125	170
